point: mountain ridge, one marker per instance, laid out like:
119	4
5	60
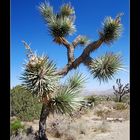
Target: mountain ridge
97	92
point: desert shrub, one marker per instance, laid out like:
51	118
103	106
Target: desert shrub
65	129
99	112
113	97
69	137
120	106
98	99
23	137
23	105
15	127
89	102
102	112
103	127
125	99
91	99
125	114
55	132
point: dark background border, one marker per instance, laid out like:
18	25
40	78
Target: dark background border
135	69
5	69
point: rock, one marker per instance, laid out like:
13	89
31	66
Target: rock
115	119
110	119
120	119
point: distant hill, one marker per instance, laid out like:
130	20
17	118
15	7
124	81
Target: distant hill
102	92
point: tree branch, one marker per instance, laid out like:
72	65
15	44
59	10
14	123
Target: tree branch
116	91
82	40
125	90
86	52
65	42
76	41
70	50
82	58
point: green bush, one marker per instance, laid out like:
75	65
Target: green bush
91	99
96	99
23	105
15	127
126	99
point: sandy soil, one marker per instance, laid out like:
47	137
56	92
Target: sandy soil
119	131
94	127
116	131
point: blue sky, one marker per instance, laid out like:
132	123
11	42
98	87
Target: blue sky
27	24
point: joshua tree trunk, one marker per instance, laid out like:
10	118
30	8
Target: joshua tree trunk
42	122
120	99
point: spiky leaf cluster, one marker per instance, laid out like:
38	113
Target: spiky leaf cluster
84	40
61	27
104	67
76	81
38	76
46	11
60	24
67	98
111	31
66	10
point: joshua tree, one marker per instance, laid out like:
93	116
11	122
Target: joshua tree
121	91
41	76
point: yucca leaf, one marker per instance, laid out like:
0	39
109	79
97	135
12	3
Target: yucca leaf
65	101
104	68
67	98
46	11
112	29
58	26
84	41
61	27
38	76
66	10
76	81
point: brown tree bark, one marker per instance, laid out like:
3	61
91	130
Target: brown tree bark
83	58
42	122
120	99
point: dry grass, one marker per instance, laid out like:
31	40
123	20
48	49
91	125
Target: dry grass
82	124
67	129
120	106
112	109
102	111
102	128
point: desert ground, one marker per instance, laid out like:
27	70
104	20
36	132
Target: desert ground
100	123
118	131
